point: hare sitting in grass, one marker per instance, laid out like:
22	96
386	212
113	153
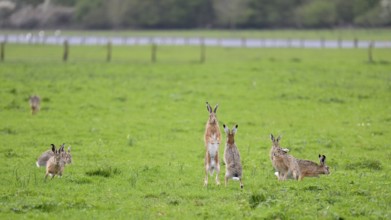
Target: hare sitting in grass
311	169
283	163
232	157
35	103
43	159
212	139
55	165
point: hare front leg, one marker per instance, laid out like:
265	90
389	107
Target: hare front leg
206	177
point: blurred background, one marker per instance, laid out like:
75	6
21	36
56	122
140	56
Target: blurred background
193	14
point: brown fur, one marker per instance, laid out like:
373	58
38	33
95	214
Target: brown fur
312	169
212	138
43	159
35	104
56	163
282	162
232	157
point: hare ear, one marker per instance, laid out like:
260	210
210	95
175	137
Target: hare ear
53	148
208	107
217	105
272	137
235	129
225	128
322	159
278	138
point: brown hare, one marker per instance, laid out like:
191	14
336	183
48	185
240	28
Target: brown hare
43	159
232	157
55	165
212	138
35	104
311	169
283	163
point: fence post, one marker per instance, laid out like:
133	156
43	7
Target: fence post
339	42
2	51
108	58
153	53
355	42
370	47
202	55
66	50
244	41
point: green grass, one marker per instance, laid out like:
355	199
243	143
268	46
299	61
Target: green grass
136	130
380	34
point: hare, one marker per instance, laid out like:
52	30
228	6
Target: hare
35	103
212	139
56	163
232	157
311	169
284	163
42	160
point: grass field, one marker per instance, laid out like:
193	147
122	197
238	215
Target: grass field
136	131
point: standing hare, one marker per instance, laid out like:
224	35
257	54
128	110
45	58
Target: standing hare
55	165
35	103
212	139
283	163
232	157
43	159
311	169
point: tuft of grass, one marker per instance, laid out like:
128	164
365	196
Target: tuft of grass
10	153
364	164
103	172
255	199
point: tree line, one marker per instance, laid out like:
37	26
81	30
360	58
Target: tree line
161	14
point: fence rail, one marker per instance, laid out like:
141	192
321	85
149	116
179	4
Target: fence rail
195	41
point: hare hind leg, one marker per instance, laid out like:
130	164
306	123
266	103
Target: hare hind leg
206	175
217	169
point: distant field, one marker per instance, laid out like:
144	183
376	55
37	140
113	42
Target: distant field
136	131
327	34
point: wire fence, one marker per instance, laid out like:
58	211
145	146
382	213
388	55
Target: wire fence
194	41
202	42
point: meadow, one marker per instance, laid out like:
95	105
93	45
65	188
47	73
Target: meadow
136	130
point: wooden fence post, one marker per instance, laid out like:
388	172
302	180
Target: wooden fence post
108	57
202	55
355	43
370	47
66	50
2	51
153	53
244	42
339	42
